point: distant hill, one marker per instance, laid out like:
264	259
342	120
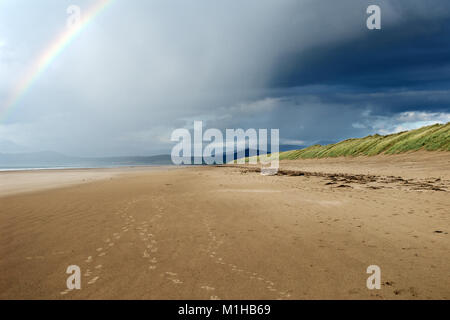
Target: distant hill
163	159
247	151
11	147
38	158
49	159
431	138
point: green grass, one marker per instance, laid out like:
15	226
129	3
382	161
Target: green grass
430	138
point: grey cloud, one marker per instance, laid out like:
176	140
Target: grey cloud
142	69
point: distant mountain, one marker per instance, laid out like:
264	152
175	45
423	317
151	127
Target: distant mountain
222	156
48	159
134	160
430	138
7	146
247	151
44	157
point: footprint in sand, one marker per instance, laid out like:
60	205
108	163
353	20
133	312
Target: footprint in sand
176	281
99	266
171	277
65	292
89	259
93	280
270	286
102	254
208	288
99	249
58	253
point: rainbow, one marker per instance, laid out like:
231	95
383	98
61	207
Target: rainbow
56	47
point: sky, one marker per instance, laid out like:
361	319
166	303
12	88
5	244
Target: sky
141	69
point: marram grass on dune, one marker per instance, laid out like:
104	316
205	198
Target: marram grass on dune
430	138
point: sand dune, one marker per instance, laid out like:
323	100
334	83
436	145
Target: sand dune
230	233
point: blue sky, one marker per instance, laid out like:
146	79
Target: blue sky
144	68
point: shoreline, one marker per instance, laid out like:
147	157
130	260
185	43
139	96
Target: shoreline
31	169
416	168
25	181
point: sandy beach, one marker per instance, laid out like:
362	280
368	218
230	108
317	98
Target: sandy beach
229	232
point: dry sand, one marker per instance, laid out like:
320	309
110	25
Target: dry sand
230	233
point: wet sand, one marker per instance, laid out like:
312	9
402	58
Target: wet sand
230	233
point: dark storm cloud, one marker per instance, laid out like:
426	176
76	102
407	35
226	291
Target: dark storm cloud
415	53
391	100
144	68
374	76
